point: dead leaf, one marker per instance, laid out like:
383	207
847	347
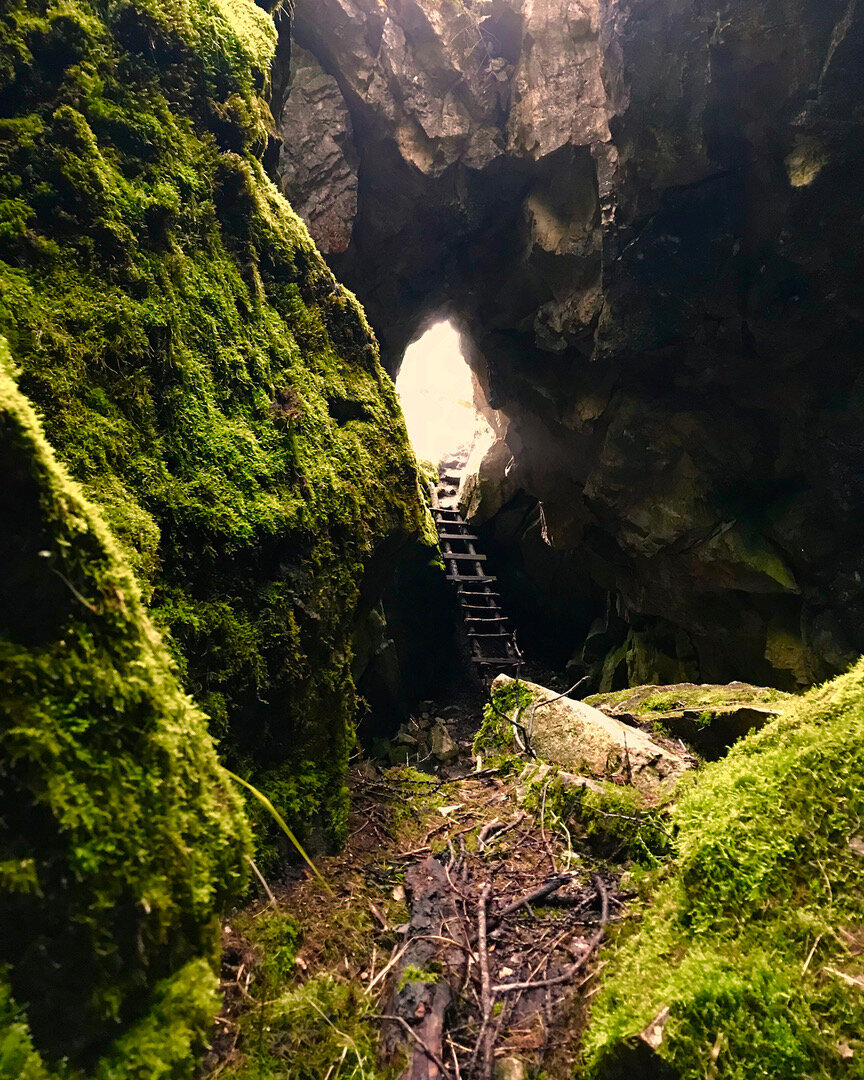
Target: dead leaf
446	811
845	1051
653	1034
398	894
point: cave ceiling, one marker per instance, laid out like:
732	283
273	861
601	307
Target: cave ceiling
645	220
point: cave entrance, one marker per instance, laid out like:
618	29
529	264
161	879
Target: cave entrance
439	397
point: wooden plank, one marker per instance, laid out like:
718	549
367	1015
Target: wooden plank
470	577
501	661
491	618
457	536
463	555
500	635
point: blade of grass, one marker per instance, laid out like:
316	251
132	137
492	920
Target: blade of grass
280	821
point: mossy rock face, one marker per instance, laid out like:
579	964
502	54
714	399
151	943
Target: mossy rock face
710	718
750	963
197	367
120	836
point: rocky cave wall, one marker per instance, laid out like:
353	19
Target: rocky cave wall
205	480
645	218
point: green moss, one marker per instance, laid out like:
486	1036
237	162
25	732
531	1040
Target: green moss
494	739
120	836
643	701
412	973
296	791
621	818
309	1030
615	819
275	935
197	366
748	941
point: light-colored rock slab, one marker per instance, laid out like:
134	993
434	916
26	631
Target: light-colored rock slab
443	746
582	739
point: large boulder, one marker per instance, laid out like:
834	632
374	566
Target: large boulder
708	718
582	739
121	838
199	369
749	961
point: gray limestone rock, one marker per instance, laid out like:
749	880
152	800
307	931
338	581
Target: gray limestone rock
441	744
317	167
583	739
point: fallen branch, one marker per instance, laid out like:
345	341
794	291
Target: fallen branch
484	1042
424	1046
394	959
593	945
535	895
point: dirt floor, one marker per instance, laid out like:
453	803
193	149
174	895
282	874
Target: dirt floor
459	934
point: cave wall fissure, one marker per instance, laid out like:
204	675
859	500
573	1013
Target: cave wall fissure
643	218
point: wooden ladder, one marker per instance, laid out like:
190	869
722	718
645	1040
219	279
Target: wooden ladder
491	640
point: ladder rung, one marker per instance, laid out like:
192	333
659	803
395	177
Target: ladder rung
501	661
502	634
457	536
463	555
492	618
470	577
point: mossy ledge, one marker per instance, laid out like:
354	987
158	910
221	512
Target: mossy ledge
749	964
197	367
120	835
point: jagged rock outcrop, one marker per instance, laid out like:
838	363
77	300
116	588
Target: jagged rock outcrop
646	221
317	160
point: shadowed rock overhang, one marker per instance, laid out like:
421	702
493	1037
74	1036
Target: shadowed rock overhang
646	221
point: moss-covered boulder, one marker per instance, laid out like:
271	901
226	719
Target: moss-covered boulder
197	367
579	738
120	836
751	961
709	718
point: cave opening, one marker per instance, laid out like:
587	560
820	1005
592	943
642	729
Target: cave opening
456	433
441	400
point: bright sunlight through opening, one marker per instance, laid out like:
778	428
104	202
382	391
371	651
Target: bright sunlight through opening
437	396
